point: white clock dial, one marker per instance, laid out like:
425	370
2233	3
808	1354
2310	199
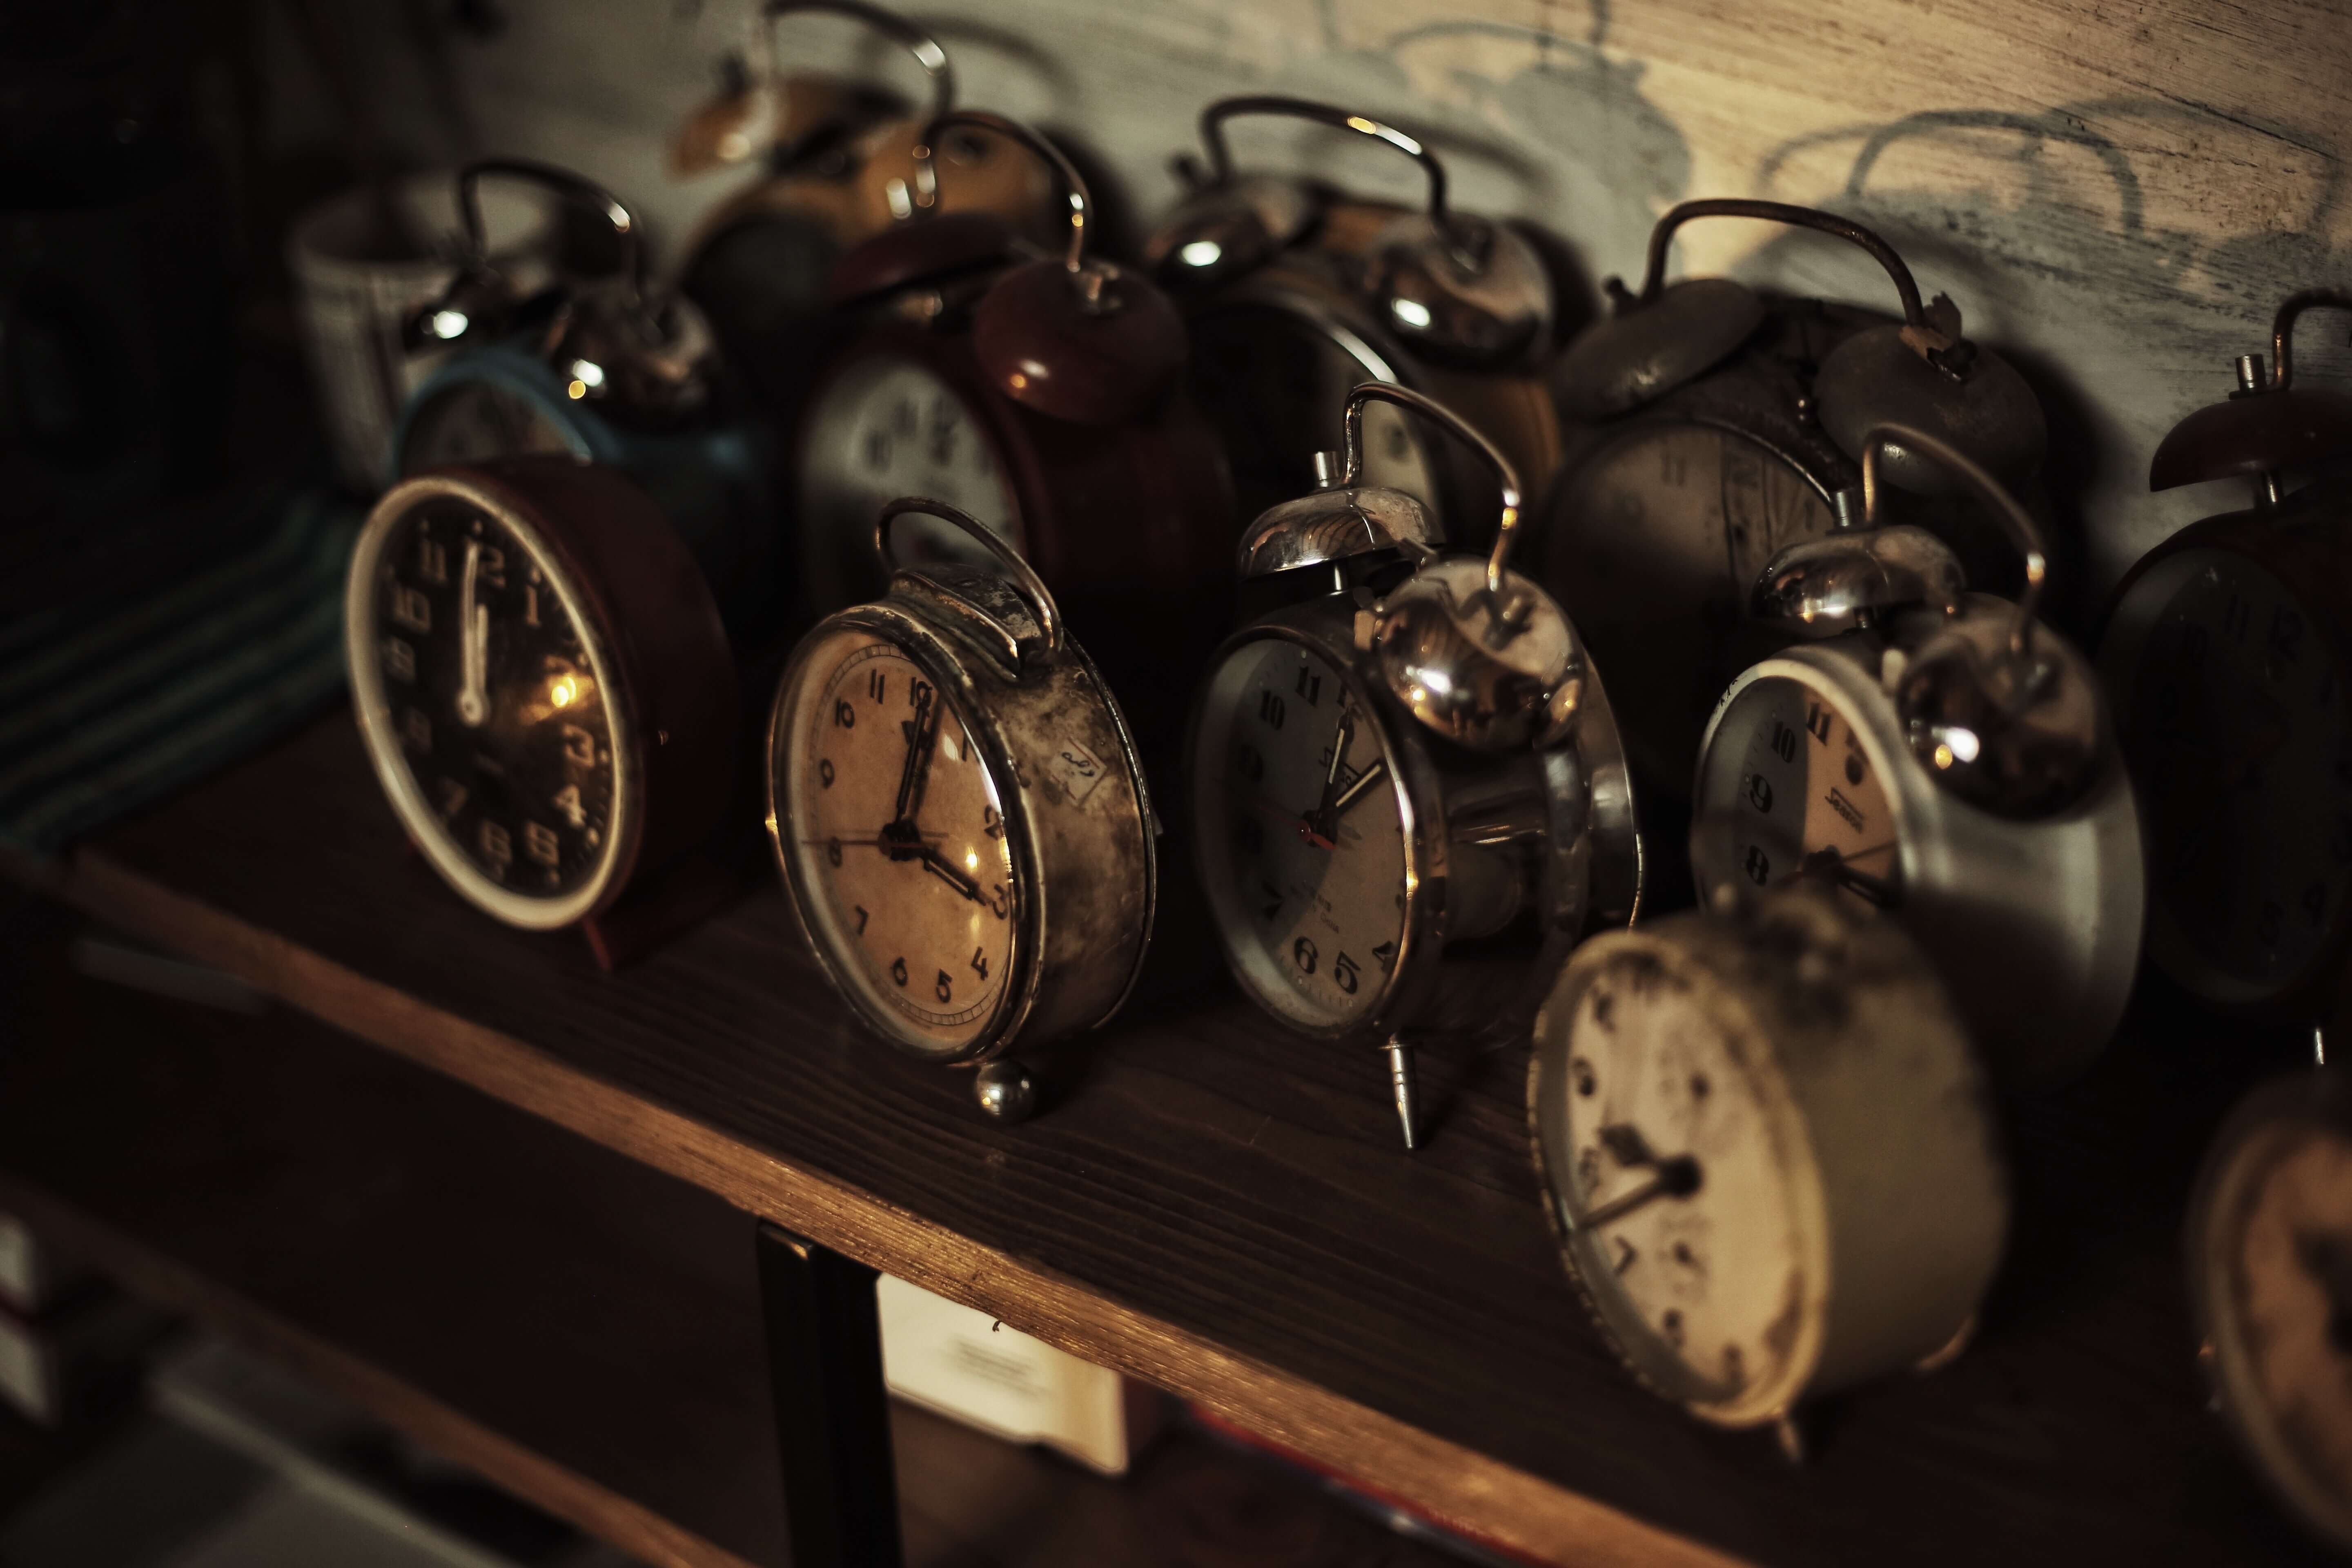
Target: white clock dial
895	826
1301	834
1686	1176
2237	726
1791	781
889	428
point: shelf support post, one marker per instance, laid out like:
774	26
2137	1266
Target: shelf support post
832	1414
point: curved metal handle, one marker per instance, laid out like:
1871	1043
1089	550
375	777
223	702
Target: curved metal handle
1073	185
1989	491
2282	330
1032	587
1220	158
1654	279
891	26
1505	476
563	182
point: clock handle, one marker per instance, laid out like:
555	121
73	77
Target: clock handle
1220	158
1654	277
1073	186
563	182
1505	476
1032	587
2283	331
891	26
1996	501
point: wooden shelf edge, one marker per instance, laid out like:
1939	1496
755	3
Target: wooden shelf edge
1452	1484
568	1496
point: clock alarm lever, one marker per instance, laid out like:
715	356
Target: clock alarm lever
1025	580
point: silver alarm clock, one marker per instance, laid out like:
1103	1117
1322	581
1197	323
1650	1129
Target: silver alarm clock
1408	799
1943	755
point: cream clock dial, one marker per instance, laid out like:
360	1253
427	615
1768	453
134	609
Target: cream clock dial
1805	791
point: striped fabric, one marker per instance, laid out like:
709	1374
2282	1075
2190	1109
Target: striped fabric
108	707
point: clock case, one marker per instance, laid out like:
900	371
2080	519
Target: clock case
2302	538
1885	1105
1085	872
647	614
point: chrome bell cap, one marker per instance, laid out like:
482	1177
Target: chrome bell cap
1337	525
2022	737
1490	668
1226	229
1462	288
1845	580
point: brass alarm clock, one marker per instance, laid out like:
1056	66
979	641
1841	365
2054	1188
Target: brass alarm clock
1710	427
958	814
1294	292
1767	1151
2226	653
840	165
1407	797
2268	1254
542	683
1944	756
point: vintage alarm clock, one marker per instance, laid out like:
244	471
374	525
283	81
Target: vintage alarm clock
1766	1150
542	683
841	165
1943	755
1406	809
960	819
1710	427
2269	1244
1294	292
2226	653
613	371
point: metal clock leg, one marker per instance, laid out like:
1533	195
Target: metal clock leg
833	1415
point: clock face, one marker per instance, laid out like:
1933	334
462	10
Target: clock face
488	709
1273	383
893	827
2237	728
887	427
1686	1190
1663	534
1301	833
2277	1253
1789	787
467	421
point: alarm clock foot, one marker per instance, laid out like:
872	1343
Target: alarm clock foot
1005	1089
1790	1436
1401	1079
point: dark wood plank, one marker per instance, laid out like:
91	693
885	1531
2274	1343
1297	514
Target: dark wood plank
1221	1208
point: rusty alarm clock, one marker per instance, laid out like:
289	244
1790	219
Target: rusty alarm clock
1709	426
840	165
1294	293
2227	652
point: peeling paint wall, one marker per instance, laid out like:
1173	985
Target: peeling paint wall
2116	194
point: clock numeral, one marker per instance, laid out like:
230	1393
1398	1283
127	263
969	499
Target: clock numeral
943	988
1759	792
491	569
579	746
2236	616
1310	687
824	771
862	918
399	659
877	450
979	962
833	851
1784	741
1272	900
1270	708
844	716
1735	1366
1588	1082
878	684
496	845
1385	956
1625	1254
899	972
567	801
1758	865
530	607
1670	1325
1817	722
432	561
416	729
1588	1168
539	843
1344	973
1303	954
991	823
453	795
1000	899
411	608
918	693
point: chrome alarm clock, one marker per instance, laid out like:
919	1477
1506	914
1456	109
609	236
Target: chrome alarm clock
1710	427
1294	293
1944	756
958	814
611	371
2227	652
1407	797
1767	1151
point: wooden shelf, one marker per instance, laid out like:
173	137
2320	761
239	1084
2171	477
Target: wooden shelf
1222	1210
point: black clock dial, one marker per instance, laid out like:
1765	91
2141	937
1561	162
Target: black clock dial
493	699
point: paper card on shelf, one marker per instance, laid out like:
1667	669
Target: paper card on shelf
966	1365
